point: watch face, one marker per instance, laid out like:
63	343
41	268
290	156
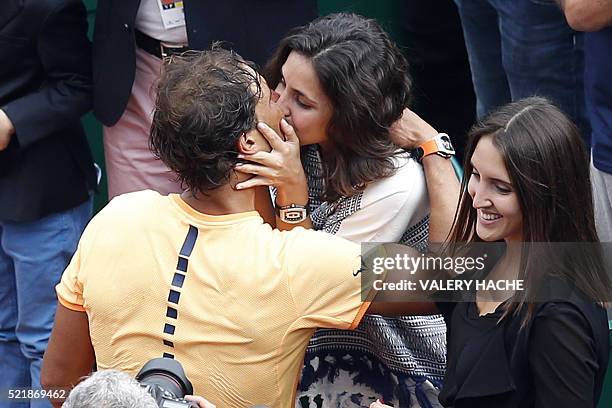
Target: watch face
293	215
445	146
446	143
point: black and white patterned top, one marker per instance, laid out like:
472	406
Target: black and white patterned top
393	209
411	349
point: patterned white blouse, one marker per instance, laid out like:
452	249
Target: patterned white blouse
399	359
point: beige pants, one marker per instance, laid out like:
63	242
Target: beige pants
130	165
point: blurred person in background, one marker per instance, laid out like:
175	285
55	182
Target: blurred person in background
595	17
46	173
522	48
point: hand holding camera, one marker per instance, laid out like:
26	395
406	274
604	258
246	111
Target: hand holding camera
165	380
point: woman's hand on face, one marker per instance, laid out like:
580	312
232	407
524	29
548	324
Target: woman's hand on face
202	403
410	130
281	168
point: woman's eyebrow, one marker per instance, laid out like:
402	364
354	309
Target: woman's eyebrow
501	181
492	178
297	91
310	100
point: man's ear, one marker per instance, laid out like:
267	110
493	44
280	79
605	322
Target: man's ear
247	142
251	142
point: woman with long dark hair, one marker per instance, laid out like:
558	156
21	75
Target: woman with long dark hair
343	86
527	186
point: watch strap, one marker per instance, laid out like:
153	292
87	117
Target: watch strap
429	147
439	144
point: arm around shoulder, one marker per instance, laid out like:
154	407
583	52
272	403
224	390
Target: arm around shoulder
410	132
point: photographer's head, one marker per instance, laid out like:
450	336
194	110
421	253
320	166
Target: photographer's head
208	104
109	388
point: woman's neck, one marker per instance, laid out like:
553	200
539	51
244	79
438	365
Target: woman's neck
507	268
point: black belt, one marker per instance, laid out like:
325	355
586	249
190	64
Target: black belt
155	47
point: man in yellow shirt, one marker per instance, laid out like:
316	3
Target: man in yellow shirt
199	276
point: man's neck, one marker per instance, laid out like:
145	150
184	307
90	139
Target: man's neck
221	201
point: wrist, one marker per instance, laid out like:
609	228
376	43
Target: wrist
426	136
296	193
434	159
289	198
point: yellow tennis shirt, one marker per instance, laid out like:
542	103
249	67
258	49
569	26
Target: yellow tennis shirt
229	297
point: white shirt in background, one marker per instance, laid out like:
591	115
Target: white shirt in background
149	21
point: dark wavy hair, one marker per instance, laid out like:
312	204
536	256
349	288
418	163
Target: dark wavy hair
365	76
548	167
205	101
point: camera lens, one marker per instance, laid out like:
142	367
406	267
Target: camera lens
167	374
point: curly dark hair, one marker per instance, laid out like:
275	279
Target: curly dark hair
365	76
205	101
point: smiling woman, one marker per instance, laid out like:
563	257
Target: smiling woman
499	211
529	186
522	161
545	346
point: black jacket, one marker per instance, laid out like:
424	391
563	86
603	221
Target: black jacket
45	87
252	28
557	360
